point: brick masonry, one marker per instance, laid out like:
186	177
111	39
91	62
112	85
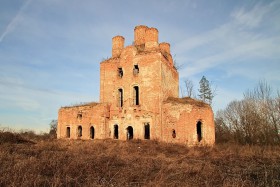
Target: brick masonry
139	89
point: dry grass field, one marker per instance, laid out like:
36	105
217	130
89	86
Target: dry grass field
40	161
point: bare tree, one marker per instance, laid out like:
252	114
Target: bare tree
255	119
189	88
53	128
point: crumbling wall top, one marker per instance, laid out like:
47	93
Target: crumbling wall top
82	104
187	100
117	46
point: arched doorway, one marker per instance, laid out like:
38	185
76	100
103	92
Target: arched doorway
129	133
80	131
116	131
199	131
91	132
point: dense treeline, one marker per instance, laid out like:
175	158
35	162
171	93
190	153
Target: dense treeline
253	120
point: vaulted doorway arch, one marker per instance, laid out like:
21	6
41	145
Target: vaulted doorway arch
129	133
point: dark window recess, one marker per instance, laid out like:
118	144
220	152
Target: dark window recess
79	115
120	72
120	97
136	95
129	133
68	132
116	132
92	132
80	131
199	131
135	70
147	131
173	133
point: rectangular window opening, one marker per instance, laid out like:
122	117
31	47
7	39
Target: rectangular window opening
116	132
147	131
79	115
135	70
68	132
136	95
120	97
120	72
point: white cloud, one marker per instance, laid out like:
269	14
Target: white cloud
252	18
13	23
232	42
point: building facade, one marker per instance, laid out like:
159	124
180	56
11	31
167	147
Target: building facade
139	89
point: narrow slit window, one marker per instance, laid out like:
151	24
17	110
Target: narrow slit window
136	95
120	97
199	131
135	70
68	132
120	72
173	133
116	132
92	132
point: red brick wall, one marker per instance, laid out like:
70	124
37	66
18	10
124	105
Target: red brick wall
92	115
183	118
157	80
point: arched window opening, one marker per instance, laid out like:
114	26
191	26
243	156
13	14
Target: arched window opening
68	132
116	131
199	131
80	131
92	132
147	131
129	133
136	95
173	133
120	97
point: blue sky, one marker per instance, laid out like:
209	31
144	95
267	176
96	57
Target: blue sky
50	50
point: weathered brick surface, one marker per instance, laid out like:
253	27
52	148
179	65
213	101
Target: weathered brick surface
93	115
157	80
182	115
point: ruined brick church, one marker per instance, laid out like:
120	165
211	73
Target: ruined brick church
139	90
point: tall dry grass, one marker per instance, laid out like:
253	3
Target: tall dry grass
135	163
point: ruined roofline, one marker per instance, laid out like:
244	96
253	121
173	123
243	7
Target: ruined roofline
145	40
187	100
81	104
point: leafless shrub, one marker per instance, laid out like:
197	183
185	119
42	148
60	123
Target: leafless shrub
189	88
253	120
176	65
9	137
